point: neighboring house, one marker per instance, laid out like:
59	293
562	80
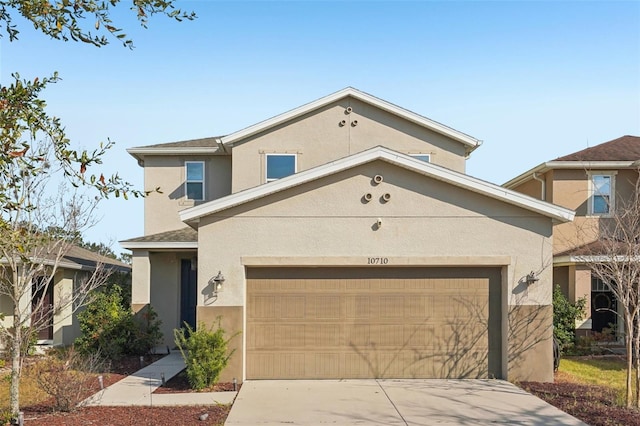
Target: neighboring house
591	182
73	269
352	245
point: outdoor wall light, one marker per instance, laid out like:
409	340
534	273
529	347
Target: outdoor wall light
218	280
531	278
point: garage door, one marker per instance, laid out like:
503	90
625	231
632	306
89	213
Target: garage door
321	323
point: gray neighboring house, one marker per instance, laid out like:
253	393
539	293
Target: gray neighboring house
343	239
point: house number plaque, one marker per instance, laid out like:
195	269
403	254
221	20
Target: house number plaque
377	260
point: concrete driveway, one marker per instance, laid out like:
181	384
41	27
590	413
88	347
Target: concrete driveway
390	402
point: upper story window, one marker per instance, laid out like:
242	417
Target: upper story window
424	157
194	182
280	165
601	201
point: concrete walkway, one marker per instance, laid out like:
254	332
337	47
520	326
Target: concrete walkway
391	402
137	389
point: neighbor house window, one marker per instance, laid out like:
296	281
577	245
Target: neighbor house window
424	157
194	182
602	193
280	165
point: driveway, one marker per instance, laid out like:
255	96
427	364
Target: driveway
390	402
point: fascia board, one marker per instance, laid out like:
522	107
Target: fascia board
138	245
394	109
558	213
172	151
583	165
570	260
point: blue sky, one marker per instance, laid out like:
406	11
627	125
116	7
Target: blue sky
533	80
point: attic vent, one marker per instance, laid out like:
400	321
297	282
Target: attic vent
348	110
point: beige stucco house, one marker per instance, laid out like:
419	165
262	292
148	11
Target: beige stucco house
50	296
591	182
352	245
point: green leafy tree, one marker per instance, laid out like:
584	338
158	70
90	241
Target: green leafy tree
34	150
565	315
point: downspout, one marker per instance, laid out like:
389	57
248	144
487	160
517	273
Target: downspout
543	186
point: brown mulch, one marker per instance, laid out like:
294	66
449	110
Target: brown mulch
125	416
180	384
594	405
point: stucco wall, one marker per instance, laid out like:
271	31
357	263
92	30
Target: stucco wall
319	138
424	223
168	173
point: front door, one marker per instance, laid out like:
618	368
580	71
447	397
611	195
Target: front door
188	293
603	310
42	307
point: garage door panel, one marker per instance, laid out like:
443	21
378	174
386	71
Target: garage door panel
303	325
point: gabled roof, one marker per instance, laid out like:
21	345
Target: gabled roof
471	142
216	145
620	153
76	258
557	213
185	238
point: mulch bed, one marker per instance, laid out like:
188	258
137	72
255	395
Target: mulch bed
129	416
180	384
593	405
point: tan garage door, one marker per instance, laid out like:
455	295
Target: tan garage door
320	323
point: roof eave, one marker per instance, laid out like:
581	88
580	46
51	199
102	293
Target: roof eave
584	165
144	245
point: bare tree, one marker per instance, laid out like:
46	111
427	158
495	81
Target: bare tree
614	258
38	228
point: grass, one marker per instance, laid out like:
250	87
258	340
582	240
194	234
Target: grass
606	372
30	392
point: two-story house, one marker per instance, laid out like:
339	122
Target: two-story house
591	182
343	239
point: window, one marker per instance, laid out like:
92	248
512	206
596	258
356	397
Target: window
424	157
280	165
602	191
194	183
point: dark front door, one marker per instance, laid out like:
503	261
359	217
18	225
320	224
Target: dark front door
603	310
188	294
42	307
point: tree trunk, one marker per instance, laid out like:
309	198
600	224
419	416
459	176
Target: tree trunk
16	357
629	347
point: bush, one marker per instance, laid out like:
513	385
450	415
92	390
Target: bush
565	315
205	352
67	377
111	329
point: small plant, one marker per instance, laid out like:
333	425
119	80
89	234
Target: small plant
68	376
205	352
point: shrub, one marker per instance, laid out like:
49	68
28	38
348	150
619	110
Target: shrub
67	377
565	315
205	352
111	329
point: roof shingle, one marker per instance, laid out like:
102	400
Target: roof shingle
625	148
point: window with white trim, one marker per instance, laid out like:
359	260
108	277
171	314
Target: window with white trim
424	157
194	180
602	189
279	166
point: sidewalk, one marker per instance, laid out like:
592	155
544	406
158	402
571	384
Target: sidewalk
137	389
